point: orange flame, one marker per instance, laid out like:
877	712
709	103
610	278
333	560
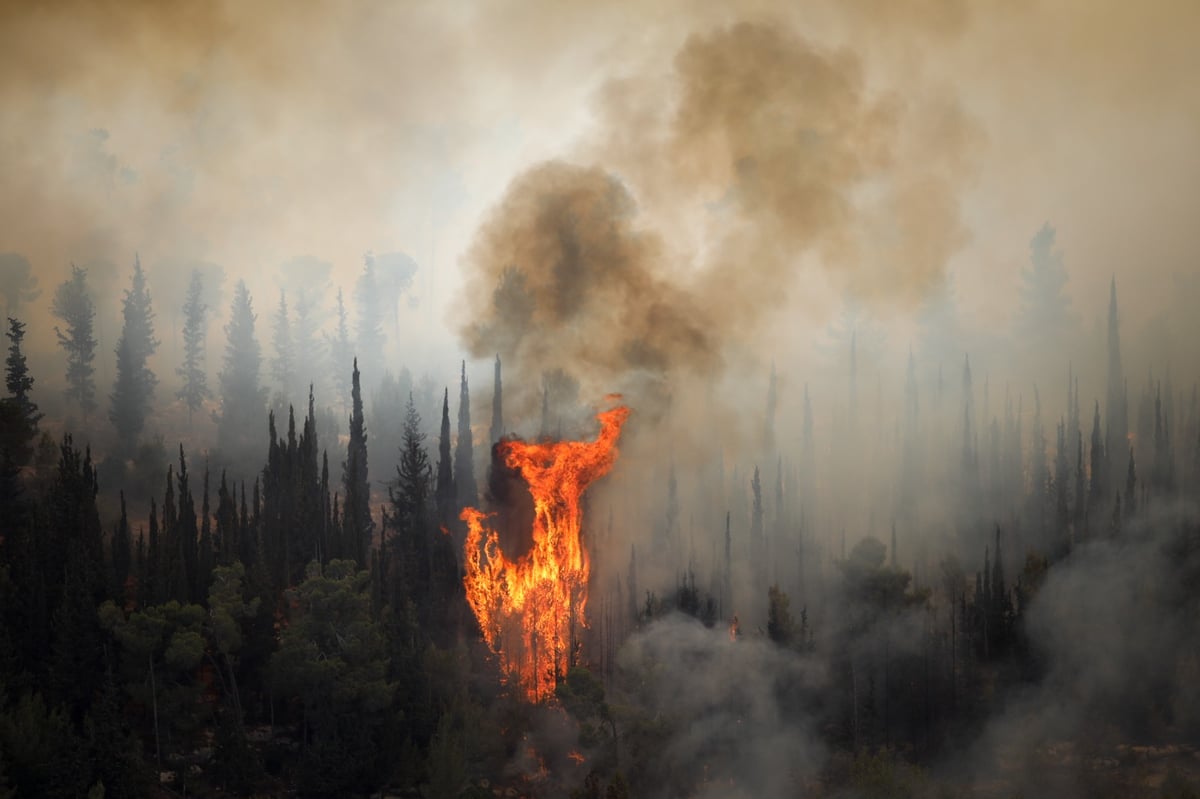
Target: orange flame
528	608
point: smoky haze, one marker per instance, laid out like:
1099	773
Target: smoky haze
849	263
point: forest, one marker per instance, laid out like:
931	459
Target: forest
178	621
825	417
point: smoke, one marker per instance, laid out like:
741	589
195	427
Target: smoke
730	720
1115	628
758	156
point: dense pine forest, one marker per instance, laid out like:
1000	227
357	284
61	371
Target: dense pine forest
627	400
1017	617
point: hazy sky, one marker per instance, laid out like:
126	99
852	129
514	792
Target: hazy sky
246	133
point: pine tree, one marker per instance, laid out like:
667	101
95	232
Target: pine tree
18	283
341	352
357	524
243	399
497	430
283	364
444	491
133	391
464	451
194	390
306	341
74	306
411	515
21	434
1044	304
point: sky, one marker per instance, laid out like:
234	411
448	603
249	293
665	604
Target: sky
248	133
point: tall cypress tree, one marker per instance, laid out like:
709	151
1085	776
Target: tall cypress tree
444	491
464	451
358	526
497	430
74	306
193	372
134	387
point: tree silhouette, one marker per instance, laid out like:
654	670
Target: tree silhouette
73	305
243	398
18	283
195	377
20	435
464	450
135	383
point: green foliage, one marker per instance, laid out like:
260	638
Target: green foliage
162	647
332	658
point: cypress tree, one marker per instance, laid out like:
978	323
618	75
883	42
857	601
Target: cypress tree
464	451
444	491
357	525
497	429
74	306
133	391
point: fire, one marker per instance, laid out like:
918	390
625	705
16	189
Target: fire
529	608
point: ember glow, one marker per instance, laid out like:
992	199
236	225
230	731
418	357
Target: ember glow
530	608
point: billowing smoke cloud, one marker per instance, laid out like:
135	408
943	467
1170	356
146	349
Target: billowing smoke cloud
758	156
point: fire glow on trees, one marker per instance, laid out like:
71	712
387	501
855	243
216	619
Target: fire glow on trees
530	607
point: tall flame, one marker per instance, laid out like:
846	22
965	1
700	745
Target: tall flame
530	608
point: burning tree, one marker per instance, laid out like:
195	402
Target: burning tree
529	607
